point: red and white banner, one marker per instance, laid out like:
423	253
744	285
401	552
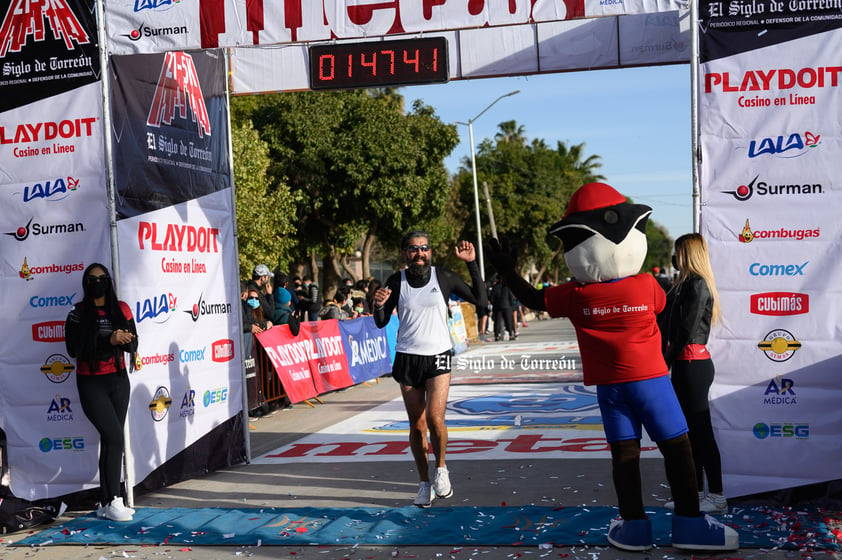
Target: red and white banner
311	363
769	96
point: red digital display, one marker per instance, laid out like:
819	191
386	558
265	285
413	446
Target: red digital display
378	63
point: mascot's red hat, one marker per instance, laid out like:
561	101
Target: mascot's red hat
593	196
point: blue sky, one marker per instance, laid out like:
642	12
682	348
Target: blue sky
636	119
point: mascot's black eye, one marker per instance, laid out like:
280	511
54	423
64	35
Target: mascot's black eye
611	217
572	236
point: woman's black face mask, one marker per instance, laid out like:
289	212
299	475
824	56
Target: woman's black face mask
98	285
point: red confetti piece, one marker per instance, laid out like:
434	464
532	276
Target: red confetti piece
503	504
301	529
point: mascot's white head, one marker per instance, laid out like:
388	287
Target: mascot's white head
604	236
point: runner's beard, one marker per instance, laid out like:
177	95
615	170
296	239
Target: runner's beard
419	266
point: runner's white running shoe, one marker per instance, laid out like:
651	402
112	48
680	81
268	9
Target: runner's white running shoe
441	483
425	496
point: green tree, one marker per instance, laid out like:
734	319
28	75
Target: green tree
265	209
530	185
360	166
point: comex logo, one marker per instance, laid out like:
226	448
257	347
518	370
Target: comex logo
779	345
762	430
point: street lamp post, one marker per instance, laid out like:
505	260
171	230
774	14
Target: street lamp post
470	125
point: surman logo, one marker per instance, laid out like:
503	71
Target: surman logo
178	87
26	17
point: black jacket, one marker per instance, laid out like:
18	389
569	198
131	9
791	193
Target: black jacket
686	317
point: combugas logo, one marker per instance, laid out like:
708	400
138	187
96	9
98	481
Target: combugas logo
784	146
57	368
160	404
178	89
25	18
747	235
36	229
762	188
779	345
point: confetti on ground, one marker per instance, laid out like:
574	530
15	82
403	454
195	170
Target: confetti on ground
529	526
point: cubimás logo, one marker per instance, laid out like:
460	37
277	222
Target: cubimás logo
761	430
48	331
57	368
779	345
25	18
222	350
780	303
22	232
160	404
762	188
784	146
179	89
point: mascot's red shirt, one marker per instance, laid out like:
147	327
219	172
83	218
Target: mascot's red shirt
619	339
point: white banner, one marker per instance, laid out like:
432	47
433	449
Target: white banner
55	223
770	144
147	27
179	275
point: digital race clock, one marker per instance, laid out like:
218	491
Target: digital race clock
378	63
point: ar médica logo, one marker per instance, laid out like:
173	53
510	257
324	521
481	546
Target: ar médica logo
178	89
28	17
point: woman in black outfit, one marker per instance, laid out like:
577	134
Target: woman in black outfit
98	332
692	307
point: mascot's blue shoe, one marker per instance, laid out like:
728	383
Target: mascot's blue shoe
702	533
630	534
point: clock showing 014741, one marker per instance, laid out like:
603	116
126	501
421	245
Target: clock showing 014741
378	63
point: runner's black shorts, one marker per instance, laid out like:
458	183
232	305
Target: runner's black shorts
415	370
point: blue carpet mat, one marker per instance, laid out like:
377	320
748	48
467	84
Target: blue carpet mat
501	526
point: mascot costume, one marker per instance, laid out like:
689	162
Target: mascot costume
613	309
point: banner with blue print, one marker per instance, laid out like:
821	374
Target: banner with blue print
368	349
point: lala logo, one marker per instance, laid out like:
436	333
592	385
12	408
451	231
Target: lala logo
793	143
178	87
26	17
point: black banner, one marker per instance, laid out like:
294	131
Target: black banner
170	128
46	48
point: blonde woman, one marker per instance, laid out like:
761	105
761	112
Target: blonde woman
692	307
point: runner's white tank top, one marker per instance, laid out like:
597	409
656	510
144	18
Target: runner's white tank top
422	319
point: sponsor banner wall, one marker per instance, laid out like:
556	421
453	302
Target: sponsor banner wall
54	224
769	98
179	276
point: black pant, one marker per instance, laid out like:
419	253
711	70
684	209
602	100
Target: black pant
503	317
692	380
105	401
